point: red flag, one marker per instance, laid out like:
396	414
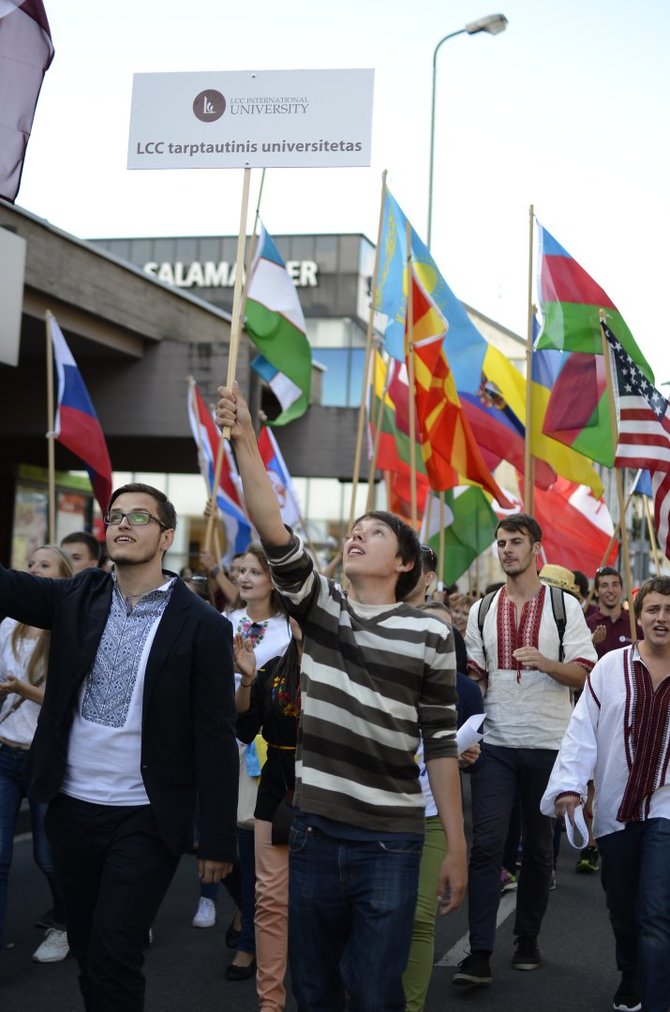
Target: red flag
26	51
576	526
448	445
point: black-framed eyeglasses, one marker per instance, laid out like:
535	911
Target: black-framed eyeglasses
136	518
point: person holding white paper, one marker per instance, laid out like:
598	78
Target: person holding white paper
618	733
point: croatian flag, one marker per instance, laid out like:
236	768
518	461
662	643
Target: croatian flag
207	436
77	426
280	478
26	50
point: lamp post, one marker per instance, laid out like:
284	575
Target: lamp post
493	24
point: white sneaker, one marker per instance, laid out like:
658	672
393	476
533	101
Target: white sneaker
205	915
54	948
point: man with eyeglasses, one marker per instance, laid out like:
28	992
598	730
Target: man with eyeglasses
138	718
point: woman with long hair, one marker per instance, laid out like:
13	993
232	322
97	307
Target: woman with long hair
23	671
270	700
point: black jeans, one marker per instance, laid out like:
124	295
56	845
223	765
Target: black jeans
494	789
636	880
114	870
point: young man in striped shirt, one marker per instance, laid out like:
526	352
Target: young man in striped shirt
375	672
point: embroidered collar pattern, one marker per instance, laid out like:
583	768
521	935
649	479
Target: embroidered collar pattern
110	684
511	636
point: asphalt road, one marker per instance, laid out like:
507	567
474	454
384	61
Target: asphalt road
185	966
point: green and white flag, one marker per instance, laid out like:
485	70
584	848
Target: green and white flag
275	324
469	528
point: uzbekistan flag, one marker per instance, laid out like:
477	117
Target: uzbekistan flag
282	482
77	426
26	51
207	436
276	325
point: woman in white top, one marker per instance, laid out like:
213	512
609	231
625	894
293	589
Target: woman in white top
23	663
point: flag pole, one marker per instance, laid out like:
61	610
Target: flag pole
529	461
441	541
410	370
652	536
369	347
235	330
51	435
617	477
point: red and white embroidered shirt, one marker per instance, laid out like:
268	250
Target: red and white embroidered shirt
526	708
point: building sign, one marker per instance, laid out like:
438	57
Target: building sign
249	119
221	274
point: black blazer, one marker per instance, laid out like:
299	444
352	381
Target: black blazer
188	708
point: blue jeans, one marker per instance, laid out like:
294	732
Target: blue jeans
505	775
636	880
13	789
351	911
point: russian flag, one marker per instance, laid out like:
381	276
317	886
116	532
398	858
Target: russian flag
206	435
77	426
282	482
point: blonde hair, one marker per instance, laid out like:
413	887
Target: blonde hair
36	669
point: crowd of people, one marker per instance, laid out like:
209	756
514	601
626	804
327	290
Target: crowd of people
301	739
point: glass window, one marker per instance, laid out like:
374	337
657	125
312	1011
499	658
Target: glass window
342	383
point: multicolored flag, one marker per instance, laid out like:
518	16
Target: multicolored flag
207	436
76	424
26	52
448	447
643	414
469	528
282	482
276	325
572	407
571	302
492	390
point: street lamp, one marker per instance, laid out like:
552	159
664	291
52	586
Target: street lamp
493	24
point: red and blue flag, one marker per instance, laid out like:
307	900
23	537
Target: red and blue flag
76	425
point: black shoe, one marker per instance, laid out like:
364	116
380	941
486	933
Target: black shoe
589	861
626	997
474	970
235	972
527	955
233	935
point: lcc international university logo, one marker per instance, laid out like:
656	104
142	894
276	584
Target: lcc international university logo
209	105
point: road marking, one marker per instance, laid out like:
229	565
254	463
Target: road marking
462	947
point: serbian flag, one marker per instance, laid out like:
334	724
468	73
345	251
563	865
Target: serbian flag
207	436
77	426
278	473
26	51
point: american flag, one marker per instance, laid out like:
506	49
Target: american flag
643	414
644	431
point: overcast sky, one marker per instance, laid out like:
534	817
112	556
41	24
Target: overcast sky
567	110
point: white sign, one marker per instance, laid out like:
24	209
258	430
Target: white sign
251	119
221	274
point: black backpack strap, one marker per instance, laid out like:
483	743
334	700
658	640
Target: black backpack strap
558	608
484	606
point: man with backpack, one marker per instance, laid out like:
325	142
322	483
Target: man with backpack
528	646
